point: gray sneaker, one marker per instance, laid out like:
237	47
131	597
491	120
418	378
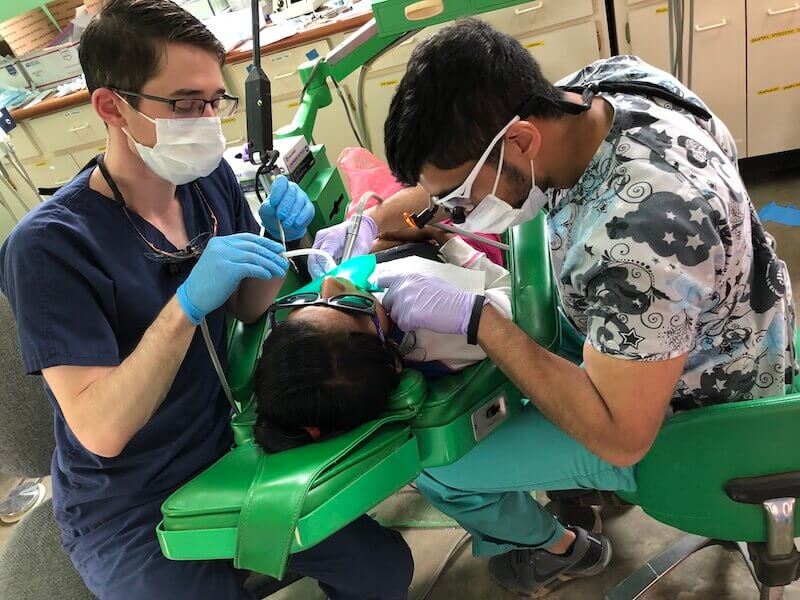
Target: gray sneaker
534	573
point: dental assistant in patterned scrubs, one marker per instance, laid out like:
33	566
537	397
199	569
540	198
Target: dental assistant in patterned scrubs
661	263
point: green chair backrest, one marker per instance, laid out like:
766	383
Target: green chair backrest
697	452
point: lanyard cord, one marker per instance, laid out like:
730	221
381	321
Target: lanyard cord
212	352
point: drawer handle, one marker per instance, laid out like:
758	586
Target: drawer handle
285	75
721	23
782	11
410	40
78	128
522	11
424	9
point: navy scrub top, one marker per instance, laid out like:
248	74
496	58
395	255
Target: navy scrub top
84	291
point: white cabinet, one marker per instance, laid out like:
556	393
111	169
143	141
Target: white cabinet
773	75
564	51
54	171
332	127
562	35
719	57
22	142
378	92
719	64
537	15
648	30
67	129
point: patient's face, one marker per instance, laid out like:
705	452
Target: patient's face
329	318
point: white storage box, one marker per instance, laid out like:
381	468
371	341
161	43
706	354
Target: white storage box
50	66
11	74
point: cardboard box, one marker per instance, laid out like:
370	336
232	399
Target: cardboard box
92	6
11	74
63	11
28	32
51	66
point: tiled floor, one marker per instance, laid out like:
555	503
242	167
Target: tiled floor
713	574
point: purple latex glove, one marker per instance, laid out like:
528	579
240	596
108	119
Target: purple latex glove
422	302
332	239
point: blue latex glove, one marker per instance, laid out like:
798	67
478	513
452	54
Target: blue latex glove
422	302
332	240
291	205
225	262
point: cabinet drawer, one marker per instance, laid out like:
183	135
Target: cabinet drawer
539	14
549	49
67	129
773	76
52	172
22	142
280	67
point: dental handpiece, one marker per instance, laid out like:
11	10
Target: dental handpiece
355	224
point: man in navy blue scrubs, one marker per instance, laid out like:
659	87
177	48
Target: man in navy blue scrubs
108	281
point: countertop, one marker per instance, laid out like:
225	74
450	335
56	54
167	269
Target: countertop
309	34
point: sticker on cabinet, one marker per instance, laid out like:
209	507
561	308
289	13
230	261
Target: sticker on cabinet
779	88
774	36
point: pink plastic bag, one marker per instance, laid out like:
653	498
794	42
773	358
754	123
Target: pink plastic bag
362	172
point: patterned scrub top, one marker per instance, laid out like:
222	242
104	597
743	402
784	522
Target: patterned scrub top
658	251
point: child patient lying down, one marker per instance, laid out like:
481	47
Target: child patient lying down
335	359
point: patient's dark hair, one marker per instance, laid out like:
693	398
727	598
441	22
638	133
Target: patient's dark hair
312	377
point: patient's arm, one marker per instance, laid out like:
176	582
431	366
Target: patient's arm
498	280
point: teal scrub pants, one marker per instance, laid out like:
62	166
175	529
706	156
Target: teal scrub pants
488	490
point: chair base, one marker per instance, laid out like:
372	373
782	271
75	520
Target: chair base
646	576
22	500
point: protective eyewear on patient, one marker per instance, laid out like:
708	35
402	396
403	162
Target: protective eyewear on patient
352	303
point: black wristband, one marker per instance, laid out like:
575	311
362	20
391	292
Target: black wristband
475	320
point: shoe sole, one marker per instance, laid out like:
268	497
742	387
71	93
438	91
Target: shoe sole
559	580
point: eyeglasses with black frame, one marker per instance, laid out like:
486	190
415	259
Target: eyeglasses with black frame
351	303
223	106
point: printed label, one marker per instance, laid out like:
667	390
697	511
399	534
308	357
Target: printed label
774	36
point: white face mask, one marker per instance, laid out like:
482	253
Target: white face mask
185	150
493	215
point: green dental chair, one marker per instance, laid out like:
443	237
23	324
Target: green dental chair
258	509
729	475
